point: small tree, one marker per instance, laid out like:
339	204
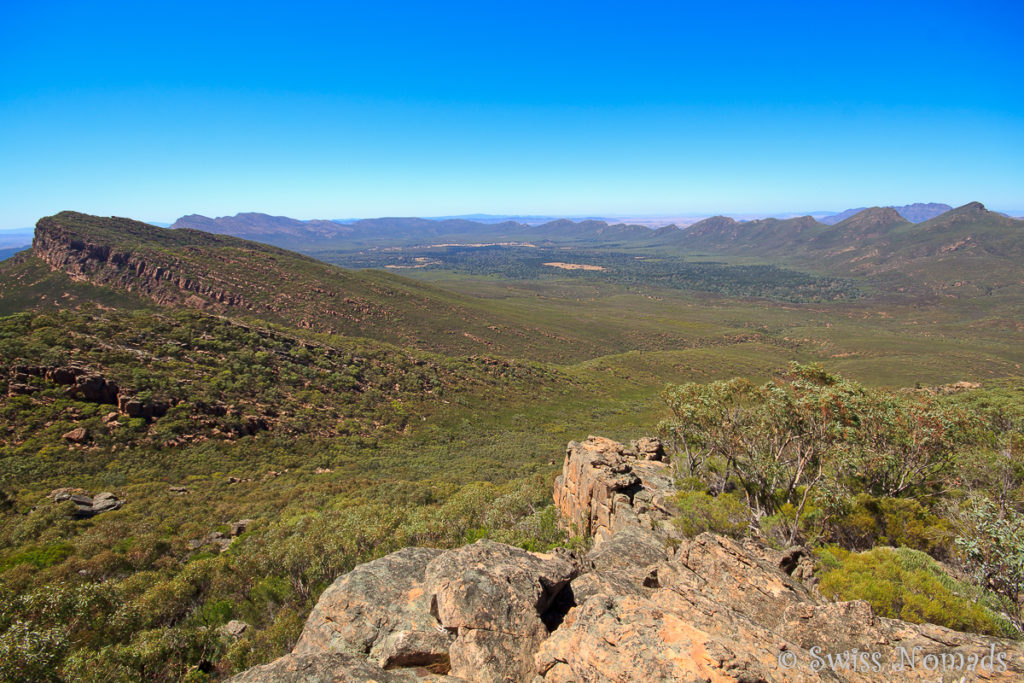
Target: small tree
993	548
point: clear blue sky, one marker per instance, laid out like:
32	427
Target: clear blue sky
156	109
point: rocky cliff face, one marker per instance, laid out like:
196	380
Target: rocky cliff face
642	605
166	282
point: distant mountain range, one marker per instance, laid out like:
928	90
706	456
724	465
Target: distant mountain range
322	234
916	243
915	213
964	251
304	235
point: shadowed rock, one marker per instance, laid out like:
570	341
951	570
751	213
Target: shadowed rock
332	667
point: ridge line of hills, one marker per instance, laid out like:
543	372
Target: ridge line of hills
283	230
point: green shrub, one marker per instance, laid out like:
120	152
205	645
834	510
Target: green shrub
217	612
40	557
901	522
993	547
722	514
901	583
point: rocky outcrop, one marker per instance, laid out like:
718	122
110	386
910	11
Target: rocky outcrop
86	385
85	505
605	487
641	605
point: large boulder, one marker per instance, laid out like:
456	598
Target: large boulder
605	487
494	597
381	610
85	505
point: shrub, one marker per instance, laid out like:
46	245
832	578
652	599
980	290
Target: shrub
901	583
40	557
722	514
994	550
901	522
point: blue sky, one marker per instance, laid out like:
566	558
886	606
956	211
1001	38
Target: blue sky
153	110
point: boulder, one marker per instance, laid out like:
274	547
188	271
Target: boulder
65	493
133	407
234	628
76	435
380	611
647	448
94	388
102	502
85	505
64	375
494	597
238	528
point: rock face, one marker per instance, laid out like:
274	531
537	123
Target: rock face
642	605
604	487
166	281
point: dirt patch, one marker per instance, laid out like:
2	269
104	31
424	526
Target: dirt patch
573	266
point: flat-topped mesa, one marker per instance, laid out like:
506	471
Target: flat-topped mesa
635	608
605	487
100	260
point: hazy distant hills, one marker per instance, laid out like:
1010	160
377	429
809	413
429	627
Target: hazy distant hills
314	235
965	245
257	225
915	213
321	234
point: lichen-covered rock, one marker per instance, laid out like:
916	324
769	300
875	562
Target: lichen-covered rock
380	610
630	638
604	487
908	651
494	596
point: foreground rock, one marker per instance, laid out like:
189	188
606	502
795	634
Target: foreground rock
642	605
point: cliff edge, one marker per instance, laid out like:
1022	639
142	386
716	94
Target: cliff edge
642	605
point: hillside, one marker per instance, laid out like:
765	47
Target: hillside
221	274
969	248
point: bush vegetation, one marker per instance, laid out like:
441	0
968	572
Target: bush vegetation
812	458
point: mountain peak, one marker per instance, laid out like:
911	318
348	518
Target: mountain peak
876	215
